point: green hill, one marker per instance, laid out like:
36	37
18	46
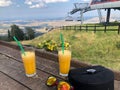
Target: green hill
95	48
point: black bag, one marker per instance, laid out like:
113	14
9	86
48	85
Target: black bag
92	78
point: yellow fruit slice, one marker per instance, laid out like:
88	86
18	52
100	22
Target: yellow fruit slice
63	86
51	81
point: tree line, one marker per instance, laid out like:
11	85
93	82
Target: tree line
26	34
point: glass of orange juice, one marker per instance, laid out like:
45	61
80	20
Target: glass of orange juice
64	61
29	62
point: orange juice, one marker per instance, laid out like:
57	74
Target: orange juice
29	63
64	62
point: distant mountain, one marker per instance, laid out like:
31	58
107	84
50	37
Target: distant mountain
31	19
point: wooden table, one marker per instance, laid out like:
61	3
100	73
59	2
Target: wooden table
12	76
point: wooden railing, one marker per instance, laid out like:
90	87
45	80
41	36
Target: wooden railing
94	28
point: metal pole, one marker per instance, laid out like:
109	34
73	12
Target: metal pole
100	15
108	15
81	16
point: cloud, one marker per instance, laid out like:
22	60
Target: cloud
29	2
38	5
35	3
17	5
4	3
41	3
86	0
54	1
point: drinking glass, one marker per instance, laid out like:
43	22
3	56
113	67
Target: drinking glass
64	57
28	58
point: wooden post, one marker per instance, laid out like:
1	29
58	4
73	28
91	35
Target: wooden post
105	28
75	28
95	29
118	29
66	27
69	27
86	28
63	27
80	27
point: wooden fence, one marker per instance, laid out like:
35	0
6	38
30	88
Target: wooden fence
94	28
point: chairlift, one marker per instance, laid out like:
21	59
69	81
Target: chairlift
78	19
69	18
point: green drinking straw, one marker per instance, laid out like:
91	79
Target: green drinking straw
19	44
62	40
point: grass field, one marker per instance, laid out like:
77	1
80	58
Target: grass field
95	48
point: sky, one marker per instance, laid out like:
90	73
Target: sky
38	9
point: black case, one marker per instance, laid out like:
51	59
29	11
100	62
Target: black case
92	78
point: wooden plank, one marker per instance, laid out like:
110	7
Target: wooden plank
7	83
15	70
